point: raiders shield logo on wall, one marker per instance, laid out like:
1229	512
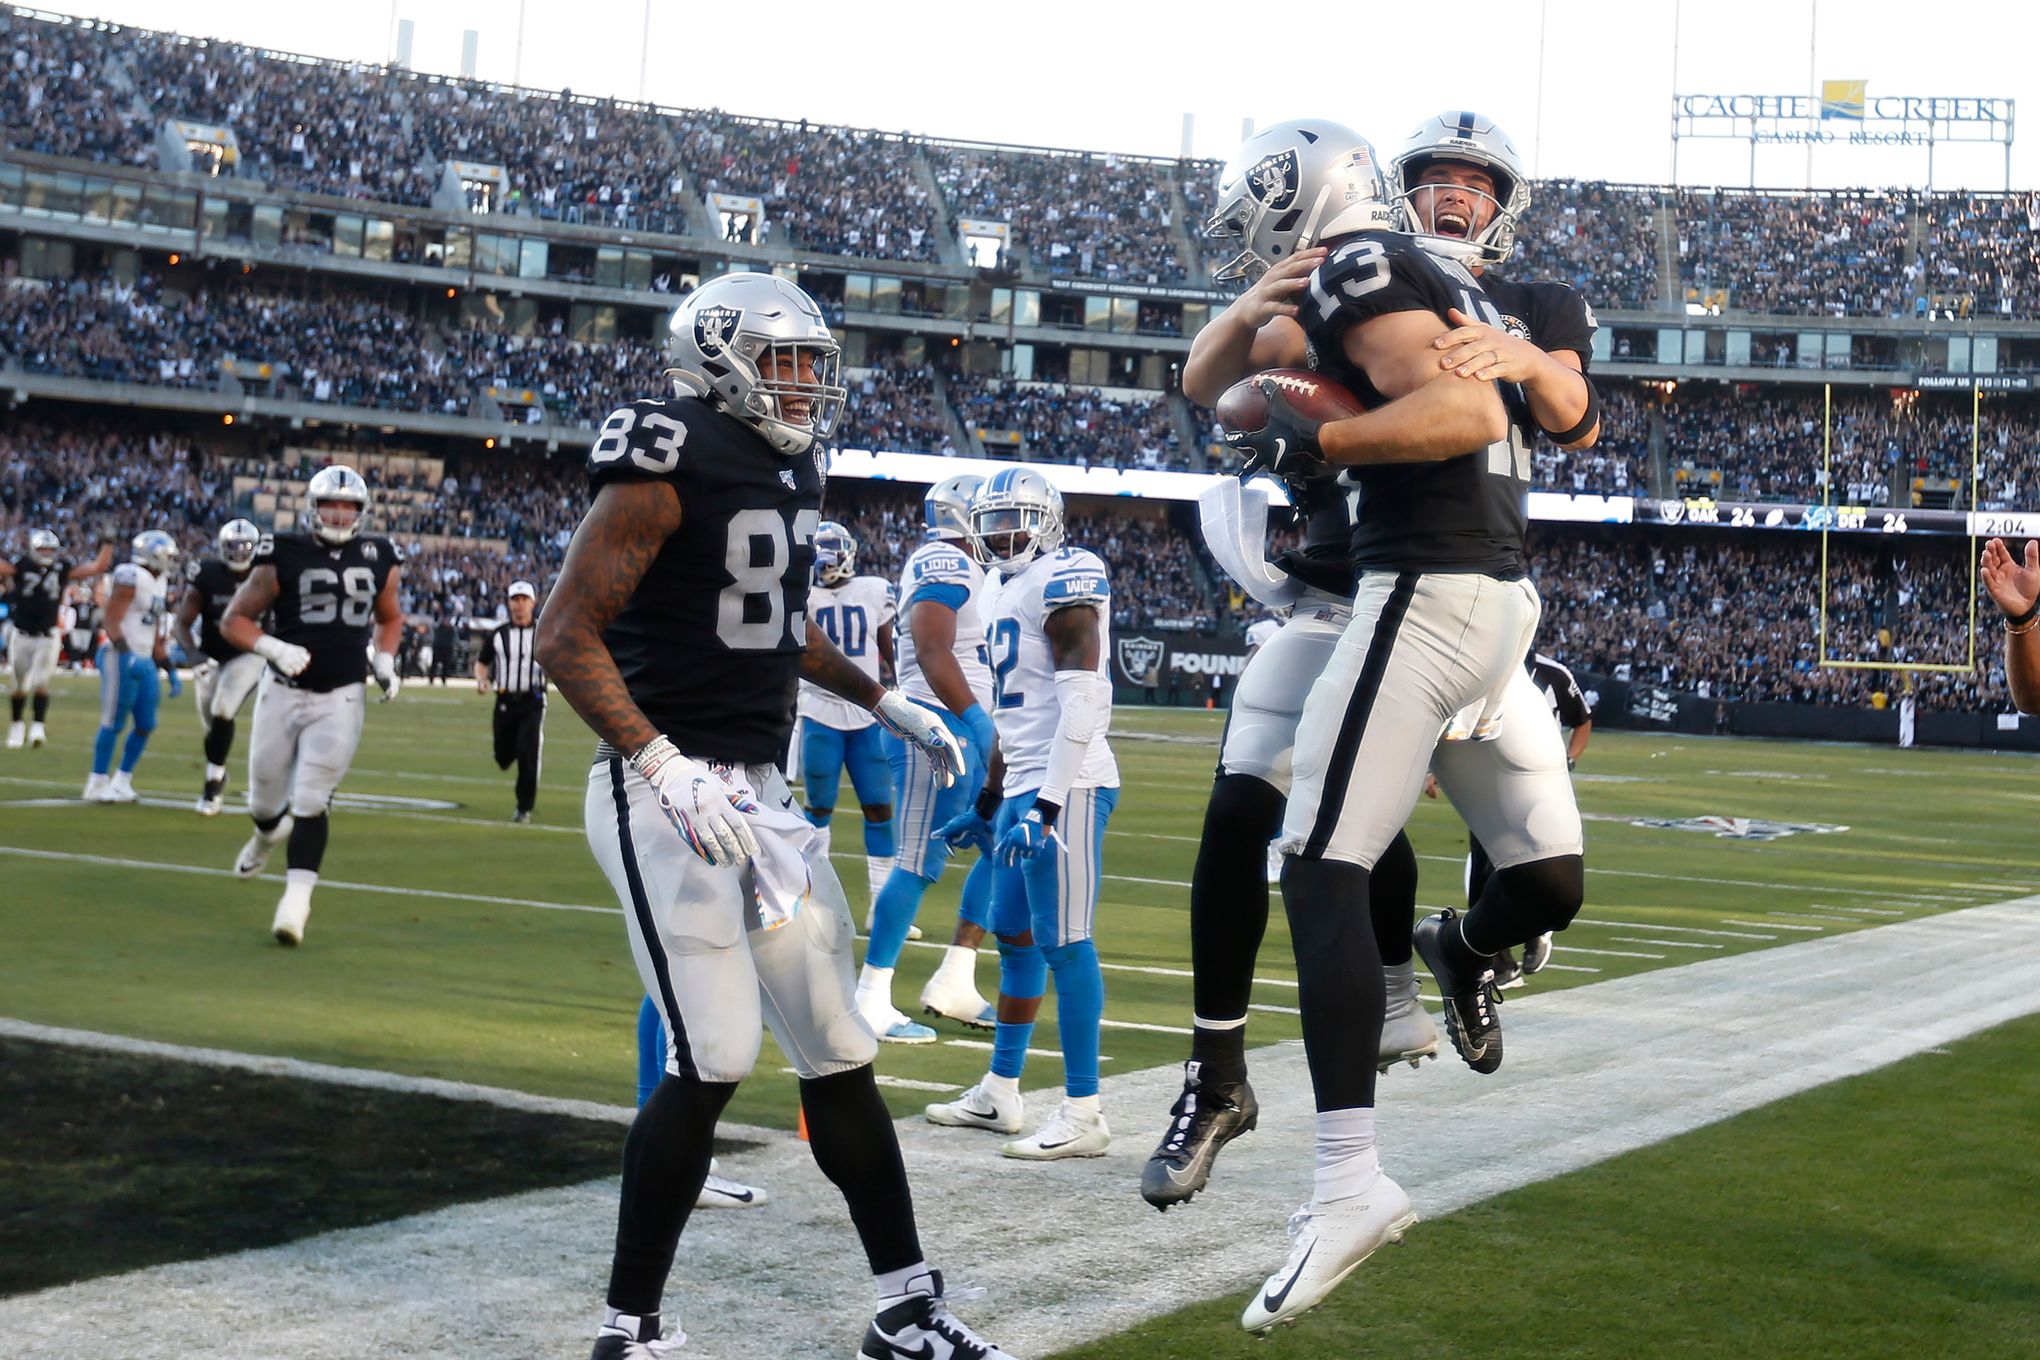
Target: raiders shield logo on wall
1274	179
1138	656
715	327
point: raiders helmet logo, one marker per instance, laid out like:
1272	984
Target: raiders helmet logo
1139	655
714	328
1274	179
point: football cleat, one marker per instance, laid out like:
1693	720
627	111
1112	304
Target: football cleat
720	1192
208	804
894	1028
1537	953
959	1002
1467	982
17	733
95	788
636	1338
292	912
1508	972
921	1327
521	819
1327	1242
980	1108
1204	1119
120	788
1072	1131
1408	1033
255	854
36	734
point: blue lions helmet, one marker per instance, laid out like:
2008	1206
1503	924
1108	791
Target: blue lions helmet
156	550
835	554
945	510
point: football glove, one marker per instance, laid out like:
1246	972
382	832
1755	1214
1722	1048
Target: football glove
385	667
288	658
984	739
919	727
1287	446
966	829
706	811
1026	838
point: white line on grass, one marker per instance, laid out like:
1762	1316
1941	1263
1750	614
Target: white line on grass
1612	953
1150	1029
1857	911
1683	930
1668	944
1775	925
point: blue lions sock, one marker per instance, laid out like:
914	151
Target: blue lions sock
651	1050
878	839
976	907
898	902
102	749
137	741
1023	975
1079	1005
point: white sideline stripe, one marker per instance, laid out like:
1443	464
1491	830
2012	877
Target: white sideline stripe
1683	930
1183	1030
1570	967
1776	925
1816	916
1612	953
983	1046
363	1078
1857	911
1668	944
113	861
883	1079
1594	1071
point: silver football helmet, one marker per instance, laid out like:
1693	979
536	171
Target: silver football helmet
237	543
43	547
1463	138
760	348
1015	517
335	485
1291	186
156	550
835	554
945	510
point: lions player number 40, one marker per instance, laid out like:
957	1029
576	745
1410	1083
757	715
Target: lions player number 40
751	614
846	626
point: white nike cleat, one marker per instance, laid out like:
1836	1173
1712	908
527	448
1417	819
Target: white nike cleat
894	1028
119	789
1408	1034
1328	1241
720	1192
291	914
958	1001
255	854
1537	953
17	733
95	788
1072	1131
36	735
980	1107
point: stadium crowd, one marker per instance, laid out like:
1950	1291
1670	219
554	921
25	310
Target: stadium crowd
1826	254
838	191
1599	238
1062	424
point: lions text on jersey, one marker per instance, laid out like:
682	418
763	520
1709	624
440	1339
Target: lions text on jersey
852	615
943	572
1023	668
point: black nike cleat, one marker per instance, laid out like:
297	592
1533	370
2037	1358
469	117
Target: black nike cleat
1204	1119
1537	953
636	1338
1466	980
921	1327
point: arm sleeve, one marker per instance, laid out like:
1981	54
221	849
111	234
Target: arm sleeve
1085	700
945	593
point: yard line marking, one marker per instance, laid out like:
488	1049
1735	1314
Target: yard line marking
1612	953
1857	911
113	861
1184	1030
1817	916
1669	944
1152	970
1274	1010
1775	925
1570	967
1683	930
983	1046
883	1079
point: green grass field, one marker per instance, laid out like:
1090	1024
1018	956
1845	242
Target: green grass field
451	957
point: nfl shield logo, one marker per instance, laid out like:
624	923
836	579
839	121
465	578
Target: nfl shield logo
1274	179
786	476
1138	656
368	551
714	327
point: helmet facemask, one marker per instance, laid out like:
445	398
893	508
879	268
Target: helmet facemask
1010	533
237	544
835	555
1488	246
797	393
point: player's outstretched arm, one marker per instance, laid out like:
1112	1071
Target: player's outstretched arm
1256	332
1424	420
1560	397
610	552
823	664
98	566
2015	587
389	631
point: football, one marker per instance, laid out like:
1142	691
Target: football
1245	408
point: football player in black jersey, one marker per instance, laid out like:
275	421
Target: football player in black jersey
39	577
227	675
328	591
677	630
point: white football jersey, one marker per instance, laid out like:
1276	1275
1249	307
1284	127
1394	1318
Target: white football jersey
145	612
1260	630
851	615
942	570
1026	707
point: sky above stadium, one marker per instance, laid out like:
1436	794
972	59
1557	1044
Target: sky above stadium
1121	77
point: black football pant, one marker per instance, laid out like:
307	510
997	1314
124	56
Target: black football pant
520	737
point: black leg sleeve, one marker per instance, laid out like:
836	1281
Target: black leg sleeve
850	1132
1524	901
1229	893
1338	972
1392	899
665	1161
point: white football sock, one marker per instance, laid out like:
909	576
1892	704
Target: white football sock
958	961
877	869
823	832
897	1284
1009	1086
874	990
298	883
1089	1102
213	772
1346	1159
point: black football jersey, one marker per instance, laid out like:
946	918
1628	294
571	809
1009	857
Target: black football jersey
38	591
1551	316
215	586
1463	514
1325	561
710	641
325	602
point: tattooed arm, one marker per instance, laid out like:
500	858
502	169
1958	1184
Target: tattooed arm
615	544
241	624
821	664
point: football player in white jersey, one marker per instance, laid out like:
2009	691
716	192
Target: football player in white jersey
1050	632
857	613
128	684
943	665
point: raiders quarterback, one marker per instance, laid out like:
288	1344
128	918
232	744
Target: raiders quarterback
227	675
35	600
330	593
678	630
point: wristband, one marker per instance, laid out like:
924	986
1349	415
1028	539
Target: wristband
1587	421
2017	620
654	753
1049	811
2020	629
988	801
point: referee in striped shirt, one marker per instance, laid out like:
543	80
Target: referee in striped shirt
509	665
